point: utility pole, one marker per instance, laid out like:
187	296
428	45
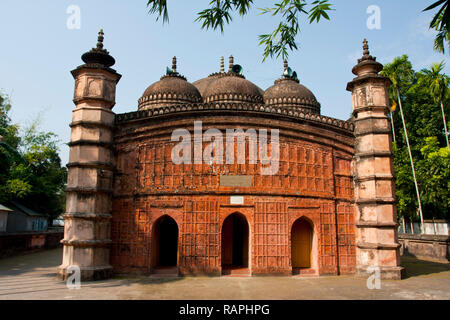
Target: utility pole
392	125
412	162
445	123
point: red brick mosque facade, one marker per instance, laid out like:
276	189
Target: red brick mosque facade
327	209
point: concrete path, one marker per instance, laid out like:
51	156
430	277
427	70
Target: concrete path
33	276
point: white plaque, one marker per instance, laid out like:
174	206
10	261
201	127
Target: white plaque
236	200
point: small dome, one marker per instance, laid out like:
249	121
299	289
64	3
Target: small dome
172	89
289	93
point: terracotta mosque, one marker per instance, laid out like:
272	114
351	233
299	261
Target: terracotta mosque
327	208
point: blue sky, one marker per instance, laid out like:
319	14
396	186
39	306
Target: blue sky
38	50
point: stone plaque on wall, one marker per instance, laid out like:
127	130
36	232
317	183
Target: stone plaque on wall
236	181
236	199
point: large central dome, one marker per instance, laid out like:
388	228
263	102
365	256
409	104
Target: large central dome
229	87
232	88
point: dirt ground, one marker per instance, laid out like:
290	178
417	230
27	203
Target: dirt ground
33	276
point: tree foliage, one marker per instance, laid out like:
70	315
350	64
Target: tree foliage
423	118
30	167
434	175
437	80
441	23
220	13
283	38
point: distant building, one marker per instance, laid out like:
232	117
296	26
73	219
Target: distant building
58	222
3	217
23	219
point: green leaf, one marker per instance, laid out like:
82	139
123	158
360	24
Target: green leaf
434	5
160	7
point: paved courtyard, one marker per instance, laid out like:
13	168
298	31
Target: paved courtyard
33	276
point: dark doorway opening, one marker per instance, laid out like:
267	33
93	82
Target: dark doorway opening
165	243
235	240
301	244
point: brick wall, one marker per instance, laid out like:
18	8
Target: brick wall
14	243
428	247
313	182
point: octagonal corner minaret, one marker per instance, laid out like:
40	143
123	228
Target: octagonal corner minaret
91	162
376	213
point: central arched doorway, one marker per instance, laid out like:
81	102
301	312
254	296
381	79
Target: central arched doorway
235	240
301	244
165	243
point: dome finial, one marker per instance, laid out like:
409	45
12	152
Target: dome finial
231	64
99	55
100	39
366	53
367	64
285	65
365	47
222	65
174	64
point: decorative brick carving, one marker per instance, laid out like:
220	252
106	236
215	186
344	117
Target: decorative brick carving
334	175
271	249
200	239
311	176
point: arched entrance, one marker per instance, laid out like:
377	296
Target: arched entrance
235	240
301	244
165	243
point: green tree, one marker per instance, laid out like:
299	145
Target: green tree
434	177
276	43
40	150
424	123
441	23
404	184
30	167
11	186
438	83
9	140
400	72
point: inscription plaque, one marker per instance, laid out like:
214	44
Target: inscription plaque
236	181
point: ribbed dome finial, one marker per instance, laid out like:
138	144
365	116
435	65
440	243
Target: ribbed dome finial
231	64
365	47
100	39
99	54
367	64
285	65
222	65
174	64
366	53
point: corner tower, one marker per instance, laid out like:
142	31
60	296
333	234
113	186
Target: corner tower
91	162
376	213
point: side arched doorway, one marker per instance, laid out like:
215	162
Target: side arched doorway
301	244
235	243
165	243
